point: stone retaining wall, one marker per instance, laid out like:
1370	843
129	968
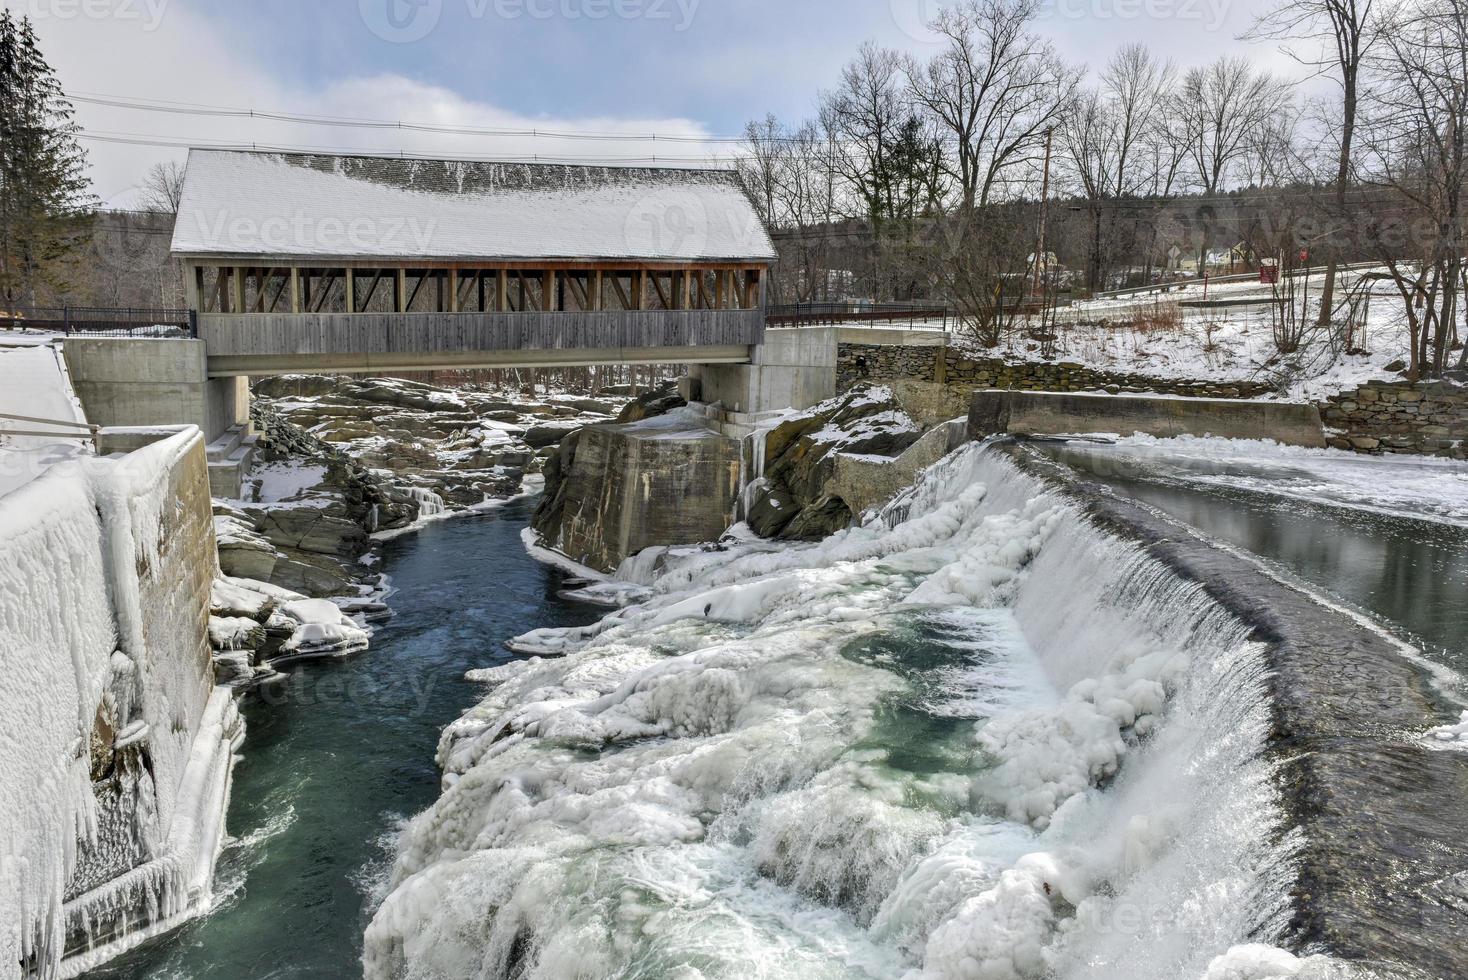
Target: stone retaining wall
1428	419
868	362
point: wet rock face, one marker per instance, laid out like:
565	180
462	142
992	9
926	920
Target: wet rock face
614	490
795	502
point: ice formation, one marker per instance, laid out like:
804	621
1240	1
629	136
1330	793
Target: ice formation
95	677
976	738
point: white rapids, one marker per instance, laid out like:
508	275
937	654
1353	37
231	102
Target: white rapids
977	738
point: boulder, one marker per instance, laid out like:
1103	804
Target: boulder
801	453
550	433
771	510
819	520
651	404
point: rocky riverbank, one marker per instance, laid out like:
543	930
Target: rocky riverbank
801	477
343	462
795	498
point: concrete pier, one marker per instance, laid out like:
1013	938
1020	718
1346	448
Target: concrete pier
123	381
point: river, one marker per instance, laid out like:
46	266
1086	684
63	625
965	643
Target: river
338	756
807	792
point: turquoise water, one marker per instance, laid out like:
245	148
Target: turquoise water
343	752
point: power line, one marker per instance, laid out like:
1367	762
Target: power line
141	139
195	109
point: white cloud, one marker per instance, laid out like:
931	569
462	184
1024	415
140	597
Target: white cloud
180	58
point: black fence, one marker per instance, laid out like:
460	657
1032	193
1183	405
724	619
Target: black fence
94	321
834	314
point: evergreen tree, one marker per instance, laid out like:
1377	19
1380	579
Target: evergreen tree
45	205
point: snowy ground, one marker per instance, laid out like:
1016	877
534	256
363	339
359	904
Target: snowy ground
1224	343
33	383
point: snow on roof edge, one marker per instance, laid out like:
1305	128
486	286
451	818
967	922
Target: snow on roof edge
253	203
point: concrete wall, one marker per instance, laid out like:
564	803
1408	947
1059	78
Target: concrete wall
1041	413
107	565
793	368
864	482
142	382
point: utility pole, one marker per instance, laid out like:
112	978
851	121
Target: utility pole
1044	194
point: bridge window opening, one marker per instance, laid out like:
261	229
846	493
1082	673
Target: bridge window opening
662	293
267	290
751	290
215	289
374	290
525	291
323	290
474	289
622	290
706	289
427	291
575	291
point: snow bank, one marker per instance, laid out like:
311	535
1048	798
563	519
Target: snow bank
34	383
973	738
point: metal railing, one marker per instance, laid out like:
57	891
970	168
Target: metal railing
70	429
835	314
97	321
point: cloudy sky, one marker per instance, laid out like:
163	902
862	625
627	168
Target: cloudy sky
676	68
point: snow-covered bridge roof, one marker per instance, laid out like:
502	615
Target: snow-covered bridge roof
297	206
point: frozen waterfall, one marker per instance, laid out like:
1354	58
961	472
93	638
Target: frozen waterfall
978	739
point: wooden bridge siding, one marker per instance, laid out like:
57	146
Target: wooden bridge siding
228	334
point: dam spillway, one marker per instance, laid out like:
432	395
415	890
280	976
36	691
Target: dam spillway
1019	727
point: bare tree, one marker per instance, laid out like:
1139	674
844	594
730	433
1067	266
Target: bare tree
1105	136
1416	145
807	189
981	266
863	115
760	164
1137	85
1339	36
1224	108
994	89
162	188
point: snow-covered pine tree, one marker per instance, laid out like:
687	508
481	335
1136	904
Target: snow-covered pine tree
45	203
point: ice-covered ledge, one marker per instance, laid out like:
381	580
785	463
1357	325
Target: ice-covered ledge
115	796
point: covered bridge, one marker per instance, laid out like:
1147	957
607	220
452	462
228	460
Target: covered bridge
362	264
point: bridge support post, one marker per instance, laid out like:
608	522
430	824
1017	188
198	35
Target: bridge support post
151	381
793	368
